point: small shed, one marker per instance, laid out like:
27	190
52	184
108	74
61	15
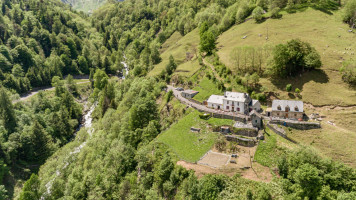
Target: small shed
189	94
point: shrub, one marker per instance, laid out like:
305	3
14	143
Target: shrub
204	116
275	13
243	12
289	87
297	90
348	71
257	14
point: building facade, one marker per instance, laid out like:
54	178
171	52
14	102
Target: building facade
287	109
234	102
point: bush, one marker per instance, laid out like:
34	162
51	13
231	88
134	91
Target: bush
297	90
204	116
349	12
348	71
243	12
289	87
275	13
257	14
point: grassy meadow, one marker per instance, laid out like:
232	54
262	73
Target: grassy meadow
184	49
325	32
189	146
269	150
206	88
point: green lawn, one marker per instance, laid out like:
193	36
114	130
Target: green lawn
269	150
220	122
206	88
184	50
189	146
188	68
327	33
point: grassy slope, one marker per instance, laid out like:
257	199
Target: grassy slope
220	122
188	145
206	88
178	46
337	141
269	150
325	32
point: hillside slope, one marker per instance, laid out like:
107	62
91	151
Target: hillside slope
325	32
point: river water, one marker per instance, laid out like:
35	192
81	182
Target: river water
126	68
86	124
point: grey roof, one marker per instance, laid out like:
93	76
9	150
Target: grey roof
190	92
236	96
217	99
254	101
284	103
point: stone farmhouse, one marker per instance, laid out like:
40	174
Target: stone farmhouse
286	109
235	102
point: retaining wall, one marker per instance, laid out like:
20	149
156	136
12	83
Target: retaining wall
279	132
241	141
249	132
296	124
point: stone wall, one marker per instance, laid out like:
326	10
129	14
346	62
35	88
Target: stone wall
241	141
249	132
296	124
279	131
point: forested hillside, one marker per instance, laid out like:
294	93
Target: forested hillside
127	153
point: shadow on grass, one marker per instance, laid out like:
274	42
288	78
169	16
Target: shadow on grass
326	7
317	75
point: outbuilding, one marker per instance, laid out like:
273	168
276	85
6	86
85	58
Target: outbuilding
189	94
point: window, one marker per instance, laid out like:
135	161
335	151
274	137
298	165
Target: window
227	102
278	114
287	109
232	103
279	108
227	107
295	115
238	109
296	108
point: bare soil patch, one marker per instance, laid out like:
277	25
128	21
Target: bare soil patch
214	159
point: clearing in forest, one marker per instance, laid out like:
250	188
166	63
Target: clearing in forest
184	50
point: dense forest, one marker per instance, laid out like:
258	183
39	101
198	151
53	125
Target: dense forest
44	42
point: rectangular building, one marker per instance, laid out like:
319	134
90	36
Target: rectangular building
234	102
287	109
189	94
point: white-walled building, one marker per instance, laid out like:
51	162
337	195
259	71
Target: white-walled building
215	101
235	102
